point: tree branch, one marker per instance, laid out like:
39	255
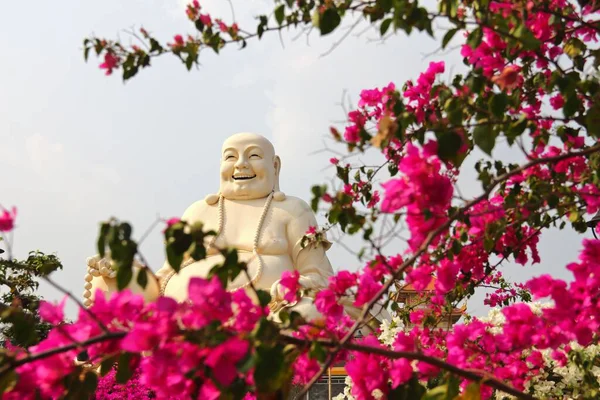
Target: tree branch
425	245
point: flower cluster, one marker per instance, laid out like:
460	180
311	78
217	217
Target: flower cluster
212	329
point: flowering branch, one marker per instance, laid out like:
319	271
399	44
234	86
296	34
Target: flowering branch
392	354
425	245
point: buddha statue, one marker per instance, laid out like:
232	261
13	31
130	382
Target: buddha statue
251	214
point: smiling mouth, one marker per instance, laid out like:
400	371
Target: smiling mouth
243	177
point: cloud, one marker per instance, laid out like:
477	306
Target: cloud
45	156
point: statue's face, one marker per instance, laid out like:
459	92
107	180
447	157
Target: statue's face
248	167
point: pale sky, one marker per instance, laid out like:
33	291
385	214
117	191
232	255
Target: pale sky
77	147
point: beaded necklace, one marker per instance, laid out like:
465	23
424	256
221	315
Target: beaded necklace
220	228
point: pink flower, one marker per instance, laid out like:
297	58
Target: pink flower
211	298
205	19
400	372
173	221
368	371
374	199
209	391
305	368
417	316
53	314
289	281
326	303
111	61
224	357
179	42
142	337
367	289
351	134
447	273
247	313
342	281
7	220
311	230
222	26
334	161
557	102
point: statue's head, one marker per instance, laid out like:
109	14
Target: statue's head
249	167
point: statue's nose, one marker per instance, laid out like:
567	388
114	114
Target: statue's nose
241	163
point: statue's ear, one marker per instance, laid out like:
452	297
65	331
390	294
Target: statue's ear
278	195
277	166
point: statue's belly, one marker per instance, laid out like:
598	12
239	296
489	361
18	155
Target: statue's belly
273	267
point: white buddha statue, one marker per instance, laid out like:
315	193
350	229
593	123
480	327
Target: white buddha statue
250	214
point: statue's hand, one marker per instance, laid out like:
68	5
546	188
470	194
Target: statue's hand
102	274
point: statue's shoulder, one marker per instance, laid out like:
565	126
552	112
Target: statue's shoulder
196	211
295	206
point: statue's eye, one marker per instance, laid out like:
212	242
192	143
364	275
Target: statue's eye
229	157
254	156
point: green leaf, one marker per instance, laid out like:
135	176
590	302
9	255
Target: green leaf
280	14
142	278
174	257
271	371
526	37
124	276
474	39
448	37
8	381
123	369
198	251
515	129
262	25
385	25
107	365
574	47
484	137
318	352
101	243
592	121
155	46
498	103
471	393
572	104
437	393
453	387
328	21
449	143
90	382
264	297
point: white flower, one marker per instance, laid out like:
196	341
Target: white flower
390	329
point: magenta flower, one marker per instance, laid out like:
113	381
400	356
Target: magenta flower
367	289
326	303
290	282
53	314
211	298
7	220
111	61
557	102
224	357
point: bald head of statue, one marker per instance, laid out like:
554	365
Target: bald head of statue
249	167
